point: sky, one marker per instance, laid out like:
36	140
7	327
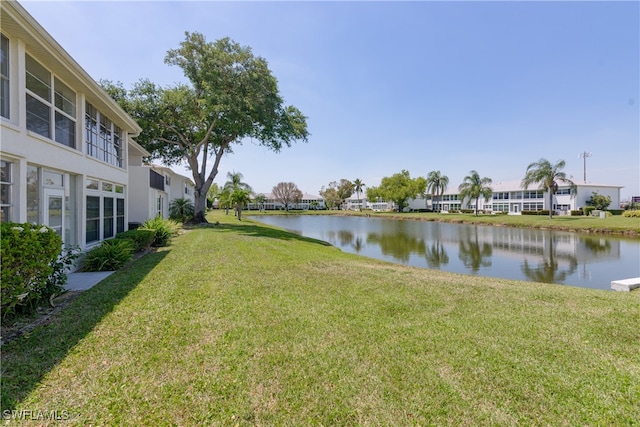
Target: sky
386	86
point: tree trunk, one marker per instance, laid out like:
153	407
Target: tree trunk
550	203
199	206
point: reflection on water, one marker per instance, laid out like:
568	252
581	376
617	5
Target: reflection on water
514	253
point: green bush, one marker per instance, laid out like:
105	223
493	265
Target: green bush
587	210
28	253
140	238
616	211
110	255
164	230
577	213
631	214
542	212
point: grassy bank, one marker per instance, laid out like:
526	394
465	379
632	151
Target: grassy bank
244	324
616	224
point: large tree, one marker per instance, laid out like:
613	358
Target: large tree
473	187
337	192
398	188
330	196
548	177
286	193
231	96
437	185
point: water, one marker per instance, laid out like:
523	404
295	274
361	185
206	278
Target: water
575	259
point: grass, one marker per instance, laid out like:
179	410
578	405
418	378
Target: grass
616	224
246	324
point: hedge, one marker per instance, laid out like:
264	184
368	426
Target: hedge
29	254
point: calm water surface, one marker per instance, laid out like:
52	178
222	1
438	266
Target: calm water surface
585	260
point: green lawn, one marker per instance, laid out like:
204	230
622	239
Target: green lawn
245	324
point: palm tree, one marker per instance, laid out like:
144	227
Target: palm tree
181	209
473	187
260	200
240	198
234	184
437	185
358	185
547	176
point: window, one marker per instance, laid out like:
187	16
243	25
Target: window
535	206
160	205
6	182
4	76
562	191
105	210
119	215
103	138
33	195
533	194
501	196
39	105
107	217
93	219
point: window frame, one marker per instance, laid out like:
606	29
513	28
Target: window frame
44	95
5	77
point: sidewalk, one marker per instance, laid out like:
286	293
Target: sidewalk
83	281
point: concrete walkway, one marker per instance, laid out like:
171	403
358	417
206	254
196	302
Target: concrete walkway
83	281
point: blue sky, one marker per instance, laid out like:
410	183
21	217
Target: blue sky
386	86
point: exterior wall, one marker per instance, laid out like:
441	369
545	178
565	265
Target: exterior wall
52	176
147	202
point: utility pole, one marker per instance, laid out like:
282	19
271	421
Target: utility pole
584	156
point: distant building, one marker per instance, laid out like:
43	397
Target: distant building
152	190
511	198
308	201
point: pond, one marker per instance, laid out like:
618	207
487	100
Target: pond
576	259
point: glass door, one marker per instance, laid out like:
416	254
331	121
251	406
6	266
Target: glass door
54	210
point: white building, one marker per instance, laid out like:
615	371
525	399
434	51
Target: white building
512	198
308	201
153	188
66	145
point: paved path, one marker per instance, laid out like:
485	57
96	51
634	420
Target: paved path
83	281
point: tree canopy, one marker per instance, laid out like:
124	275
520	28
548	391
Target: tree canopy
337	192
287	193
231	96
398	188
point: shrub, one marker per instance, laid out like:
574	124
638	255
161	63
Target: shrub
28	254
110	255
140	238
631	214
164	230
181	209
588	209
616	211
577	213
